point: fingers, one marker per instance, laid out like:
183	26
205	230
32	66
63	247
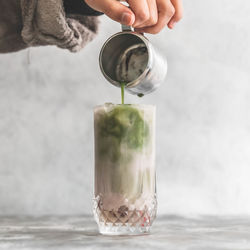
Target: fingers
149	16
141	11
113	9
153	13
178	13
166	11
146	13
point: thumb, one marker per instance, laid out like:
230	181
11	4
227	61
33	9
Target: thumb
114	9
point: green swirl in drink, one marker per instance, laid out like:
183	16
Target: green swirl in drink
123	125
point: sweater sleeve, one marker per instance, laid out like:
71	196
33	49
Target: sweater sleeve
67	24
11	26
79	7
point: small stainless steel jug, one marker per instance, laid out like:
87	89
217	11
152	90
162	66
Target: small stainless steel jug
130	58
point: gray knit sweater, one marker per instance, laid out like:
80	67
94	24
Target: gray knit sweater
25	23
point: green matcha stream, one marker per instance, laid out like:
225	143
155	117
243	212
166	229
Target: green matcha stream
123	84
122	91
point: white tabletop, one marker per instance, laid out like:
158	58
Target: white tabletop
168	233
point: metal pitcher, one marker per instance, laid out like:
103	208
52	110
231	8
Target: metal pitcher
130	58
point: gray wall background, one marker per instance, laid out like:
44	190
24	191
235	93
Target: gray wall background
203	118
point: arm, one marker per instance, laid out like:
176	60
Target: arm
26	23
11	26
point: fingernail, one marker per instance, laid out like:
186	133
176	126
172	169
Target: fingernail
126	18
172	24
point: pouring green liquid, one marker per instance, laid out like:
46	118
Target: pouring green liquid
122	91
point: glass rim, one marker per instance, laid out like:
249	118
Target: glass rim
132	105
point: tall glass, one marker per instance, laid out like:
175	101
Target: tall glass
125	189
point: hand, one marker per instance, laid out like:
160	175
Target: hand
149	16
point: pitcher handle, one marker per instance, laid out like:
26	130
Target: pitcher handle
127	28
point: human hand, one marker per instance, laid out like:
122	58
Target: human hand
149	16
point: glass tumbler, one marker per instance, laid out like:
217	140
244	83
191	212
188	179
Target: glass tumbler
125	181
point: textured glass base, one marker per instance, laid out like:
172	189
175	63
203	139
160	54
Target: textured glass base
124	221
122	229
